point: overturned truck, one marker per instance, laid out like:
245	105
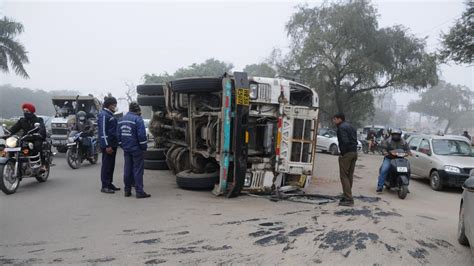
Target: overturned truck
233	133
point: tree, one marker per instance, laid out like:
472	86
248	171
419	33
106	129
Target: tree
11	50
458	43
260	70
130	93
339	49
447	102
210	67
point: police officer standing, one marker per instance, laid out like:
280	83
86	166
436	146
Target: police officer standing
132	138
108	143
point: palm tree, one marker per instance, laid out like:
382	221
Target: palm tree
10	49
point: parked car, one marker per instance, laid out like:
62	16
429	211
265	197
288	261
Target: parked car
466	212
327	141
445	160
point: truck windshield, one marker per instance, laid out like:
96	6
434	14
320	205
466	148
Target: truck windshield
452	147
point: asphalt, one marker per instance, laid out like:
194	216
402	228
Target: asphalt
66	220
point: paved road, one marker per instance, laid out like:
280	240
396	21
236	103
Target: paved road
66	220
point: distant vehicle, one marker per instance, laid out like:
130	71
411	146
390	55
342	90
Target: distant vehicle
406	135
445	160
327	141
466	213
367	129
47	122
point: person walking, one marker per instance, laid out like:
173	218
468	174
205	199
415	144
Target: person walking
347	138
132	138
107	125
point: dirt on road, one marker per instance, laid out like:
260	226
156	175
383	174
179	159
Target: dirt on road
67	220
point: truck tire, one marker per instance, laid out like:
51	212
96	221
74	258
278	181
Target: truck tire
189	180
150	89
155	154
151	100
196	85
156	165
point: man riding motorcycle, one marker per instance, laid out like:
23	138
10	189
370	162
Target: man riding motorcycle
27	123
85	126
394	142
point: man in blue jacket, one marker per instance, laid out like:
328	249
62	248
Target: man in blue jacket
132	138
107	125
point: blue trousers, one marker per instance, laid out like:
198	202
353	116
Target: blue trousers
383	172
107	170
133	171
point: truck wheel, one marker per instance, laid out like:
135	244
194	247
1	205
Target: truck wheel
189	180
151	100
462	239
43	176
8	182
156	165
435	181
155	154
150	89
196	85
333	149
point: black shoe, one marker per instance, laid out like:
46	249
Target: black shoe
345	202
114	188
379	190
127	194
107	190
143	195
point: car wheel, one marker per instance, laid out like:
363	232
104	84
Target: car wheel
189	180
150	89
462	239
155	154
435	181
156	165
151	100
196	85
333	149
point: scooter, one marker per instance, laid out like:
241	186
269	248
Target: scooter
19	160
77	152
398	176
376	146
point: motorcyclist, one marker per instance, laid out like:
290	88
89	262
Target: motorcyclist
371	139
394	142
27	123
85	126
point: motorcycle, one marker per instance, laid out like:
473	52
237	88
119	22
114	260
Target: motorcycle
19	160
77	151
376	147
398	176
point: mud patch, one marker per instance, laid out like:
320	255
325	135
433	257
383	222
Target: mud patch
210	248
340	240
355	212
34	251
272	240
427	217
420	254
276	228
426	244
241	221
298	231
148	241
260	233
69	250
294	212
390	248
270	224
155	261
129	230
181	233
367	199
385	214
442	243
183	250
32	244
100	260
147	232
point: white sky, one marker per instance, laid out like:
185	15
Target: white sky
95	47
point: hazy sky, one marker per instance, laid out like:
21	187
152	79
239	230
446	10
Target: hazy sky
96	47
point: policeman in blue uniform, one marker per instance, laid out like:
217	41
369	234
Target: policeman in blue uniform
107	125
132	138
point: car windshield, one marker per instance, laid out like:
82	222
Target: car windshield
452	147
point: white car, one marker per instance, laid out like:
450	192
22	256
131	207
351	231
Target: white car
327	141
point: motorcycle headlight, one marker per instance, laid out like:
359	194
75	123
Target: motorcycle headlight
31	146
11	142
70	139
452	169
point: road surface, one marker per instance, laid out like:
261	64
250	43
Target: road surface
68	221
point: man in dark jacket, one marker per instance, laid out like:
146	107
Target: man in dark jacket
132	138
347	138
27	123
107	125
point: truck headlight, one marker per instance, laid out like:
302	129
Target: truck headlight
11	142
253	91
452	169
248	179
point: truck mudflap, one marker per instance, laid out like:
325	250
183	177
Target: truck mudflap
297	140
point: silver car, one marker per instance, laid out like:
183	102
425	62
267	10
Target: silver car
466	213
445	160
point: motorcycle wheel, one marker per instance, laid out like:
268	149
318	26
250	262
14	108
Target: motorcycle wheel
73	158
402	192
8	182
43	176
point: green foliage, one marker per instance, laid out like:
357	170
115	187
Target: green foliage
12	98
211	67
446	102
260	70
339	49
11	50
458	43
